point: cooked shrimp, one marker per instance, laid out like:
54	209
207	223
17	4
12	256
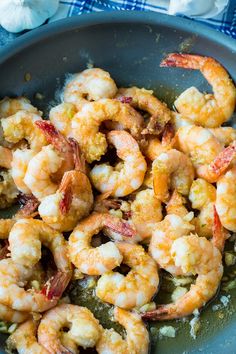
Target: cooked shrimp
19	165
5	157
137	287
146	101
196	255
226	199
207	154
176	205
202	195
89	85
86	123
208	110
61	117
13	278
8	190
47	167
10	106
172	169
225	135
84	328
179	121
125	177
24	339
21	126
167	231
5	227
137	338
31	234
72	201
96	261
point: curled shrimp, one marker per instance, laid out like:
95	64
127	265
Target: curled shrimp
176	205
146	101
167	231
21	126
202	195
61	117
31	234
13	278
24	339
137	338
84	328
96	261
172	169
89	85
85	125
137	287
207	154
72	201
10	106
125	177
47	167
209	110
226	199
195	255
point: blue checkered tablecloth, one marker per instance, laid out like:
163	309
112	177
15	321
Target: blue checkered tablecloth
224	22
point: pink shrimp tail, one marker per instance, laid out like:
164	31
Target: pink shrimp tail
125	99
185	61
168	137
223	160
56	285
79	160
29	206
161	313
218	232
67	193
52	135
121	227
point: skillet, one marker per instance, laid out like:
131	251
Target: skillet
130	45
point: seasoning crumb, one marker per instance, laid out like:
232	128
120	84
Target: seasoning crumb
195	325
39	96
168	331
27	77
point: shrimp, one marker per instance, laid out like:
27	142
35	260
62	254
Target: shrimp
209	110
19	165
24	339
31	234
207	154
8	190
5	227
137	338
137	287
195	255
176	205
96	261
47	167
61	117
85	125
13	278
21	126
167	231
84	328
202	195
125	177
5	157
172	169
226	199
225	135
72	201
89	85
146	101
10	106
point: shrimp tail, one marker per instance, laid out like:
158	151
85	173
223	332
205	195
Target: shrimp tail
223	160
122	227
219	234
4	251
56	285
80	164
163	312
67	194
168	137
125	99
154	127
29	206
52	135
185	61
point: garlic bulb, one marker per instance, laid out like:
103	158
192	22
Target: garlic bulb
19	15
197	8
